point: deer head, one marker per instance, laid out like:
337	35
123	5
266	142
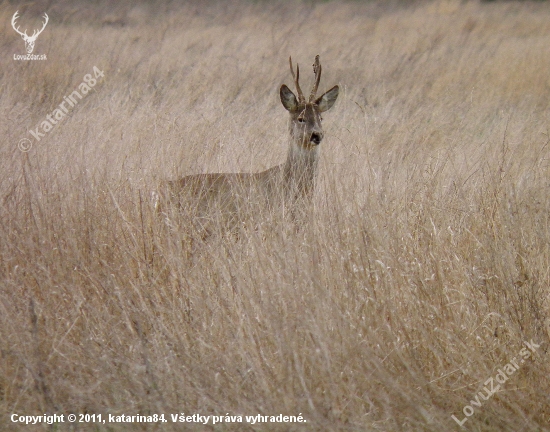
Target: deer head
29	40
305	116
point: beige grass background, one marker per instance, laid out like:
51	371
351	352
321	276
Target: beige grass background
423	269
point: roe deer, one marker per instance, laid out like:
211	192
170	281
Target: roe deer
286	187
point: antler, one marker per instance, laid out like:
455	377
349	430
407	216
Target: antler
24	34
317	72
301	97
14	18
37	32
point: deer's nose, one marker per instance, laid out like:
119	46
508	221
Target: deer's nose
316	138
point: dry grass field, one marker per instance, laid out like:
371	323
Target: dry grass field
421	273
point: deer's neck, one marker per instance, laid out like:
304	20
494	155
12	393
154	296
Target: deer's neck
299	172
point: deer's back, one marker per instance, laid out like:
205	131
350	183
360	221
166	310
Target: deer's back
223	198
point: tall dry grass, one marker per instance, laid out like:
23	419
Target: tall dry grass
422	271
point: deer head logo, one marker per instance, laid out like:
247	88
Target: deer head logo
29	40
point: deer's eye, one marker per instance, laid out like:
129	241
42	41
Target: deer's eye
301	120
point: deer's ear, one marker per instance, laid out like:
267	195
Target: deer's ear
326	101
288	99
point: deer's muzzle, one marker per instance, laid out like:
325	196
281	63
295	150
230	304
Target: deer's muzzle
316	138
